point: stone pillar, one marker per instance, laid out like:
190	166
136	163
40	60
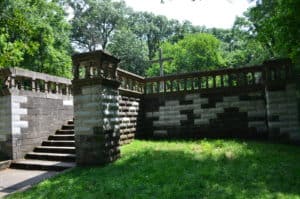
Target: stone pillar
96	114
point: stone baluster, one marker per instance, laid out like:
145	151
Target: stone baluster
12	82
33	85
57	88
46	87
21	81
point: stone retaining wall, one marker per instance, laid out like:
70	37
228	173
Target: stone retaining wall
28	118
259	114
282	111
28	115
206	115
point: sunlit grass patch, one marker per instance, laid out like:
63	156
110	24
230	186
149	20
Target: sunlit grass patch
184	169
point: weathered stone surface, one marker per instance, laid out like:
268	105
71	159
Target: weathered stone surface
97	129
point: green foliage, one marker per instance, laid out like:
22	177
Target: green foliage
132	51
277	23
196	52
243	48
193	169
34	35
95	21
150	28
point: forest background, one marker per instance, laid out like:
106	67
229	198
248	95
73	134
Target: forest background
37	35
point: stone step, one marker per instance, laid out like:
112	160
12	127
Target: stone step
71	122
58	143
64	132
65	157
55	149
68	127
42	165
61	137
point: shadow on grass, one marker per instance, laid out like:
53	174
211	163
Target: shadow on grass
254	170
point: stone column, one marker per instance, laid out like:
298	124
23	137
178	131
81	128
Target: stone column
96	121
96	107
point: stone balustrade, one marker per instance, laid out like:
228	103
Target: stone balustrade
22	79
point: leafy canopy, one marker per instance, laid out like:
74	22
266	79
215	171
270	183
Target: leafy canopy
196	52
35	35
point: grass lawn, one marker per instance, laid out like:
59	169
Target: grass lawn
184	169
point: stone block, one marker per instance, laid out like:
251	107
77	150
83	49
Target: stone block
166	108
20	124
16	131
208	115
257	124
200	101
201	121
192	96
279	124
172	117
231	99
160	133
257	113
274	94
223	104
149	114
189	107
19	99
166	123
19	111
289	129
2	138
172	103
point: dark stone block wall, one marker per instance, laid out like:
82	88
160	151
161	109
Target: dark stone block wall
198	115
128	116
282	112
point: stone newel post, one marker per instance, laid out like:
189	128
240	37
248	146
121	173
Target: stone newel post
96	108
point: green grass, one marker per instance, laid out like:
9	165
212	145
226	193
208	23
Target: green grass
184	169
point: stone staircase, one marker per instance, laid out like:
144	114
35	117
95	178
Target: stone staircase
55	154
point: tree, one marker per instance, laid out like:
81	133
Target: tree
150	28
95	21
241	47
132	51
277	23
196	52
35	35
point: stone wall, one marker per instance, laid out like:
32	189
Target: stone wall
206	115
128	116
282	111
5	126
30	112
260	114
28	118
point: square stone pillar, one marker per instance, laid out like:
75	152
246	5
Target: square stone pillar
96	108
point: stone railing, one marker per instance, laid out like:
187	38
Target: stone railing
270	72
273	72
21	79
130	82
